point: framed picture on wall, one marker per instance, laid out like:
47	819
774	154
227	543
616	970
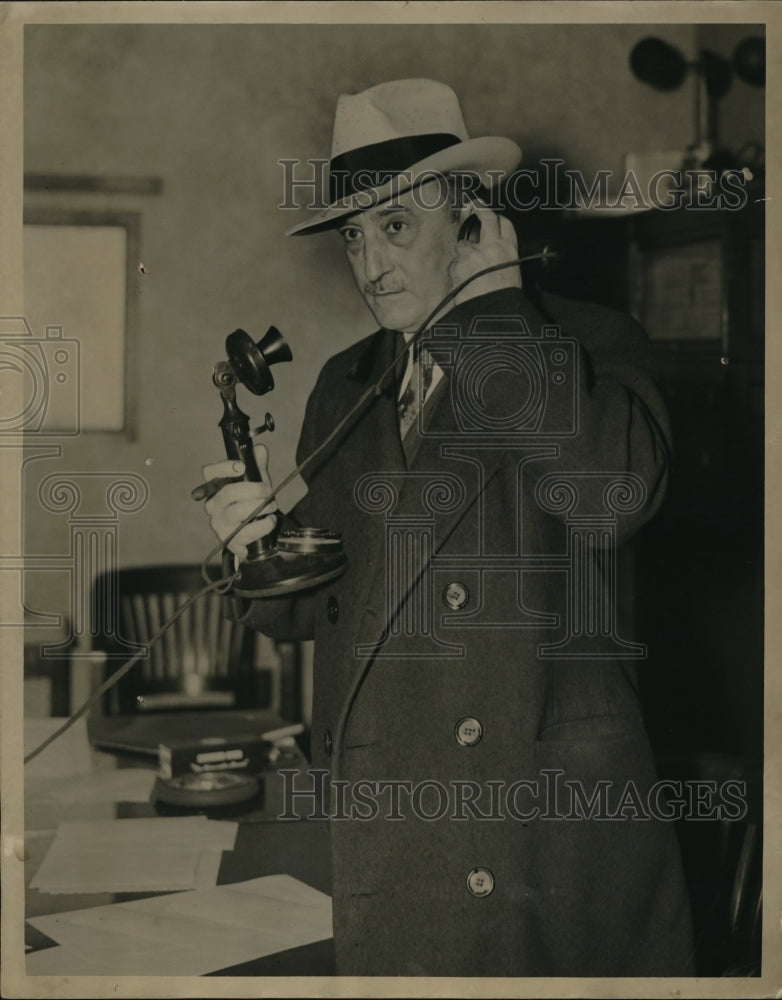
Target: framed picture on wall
77	291
80	298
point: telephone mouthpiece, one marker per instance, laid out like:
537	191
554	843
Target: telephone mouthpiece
250	360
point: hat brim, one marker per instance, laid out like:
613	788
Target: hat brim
490	157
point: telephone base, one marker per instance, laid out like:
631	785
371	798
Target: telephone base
288	572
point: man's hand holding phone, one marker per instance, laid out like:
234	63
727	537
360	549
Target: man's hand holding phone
493	241
237	500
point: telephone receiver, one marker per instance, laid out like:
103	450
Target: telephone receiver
287	560
470	230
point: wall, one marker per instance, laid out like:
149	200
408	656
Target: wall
209	110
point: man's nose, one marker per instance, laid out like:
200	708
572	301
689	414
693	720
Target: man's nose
376	260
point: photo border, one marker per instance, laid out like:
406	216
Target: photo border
13	17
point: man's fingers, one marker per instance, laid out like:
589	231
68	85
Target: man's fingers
205	491
245	508
262	461
261	455
230	500
227	469
497	246
249	533
237	493
235	513
254	530
230	468
488	218
219	474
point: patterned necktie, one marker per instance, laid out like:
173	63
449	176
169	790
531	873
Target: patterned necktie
412	399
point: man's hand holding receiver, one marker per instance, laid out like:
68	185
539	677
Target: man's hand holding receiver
237	500
496	243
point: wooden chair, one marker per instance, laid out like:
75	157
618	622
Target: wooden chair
204	661
722	861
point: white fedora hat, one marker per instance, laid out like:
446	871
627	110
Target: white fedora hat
398	134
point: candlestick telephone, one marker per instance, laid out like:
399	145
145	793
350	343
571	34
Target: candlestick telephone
287	560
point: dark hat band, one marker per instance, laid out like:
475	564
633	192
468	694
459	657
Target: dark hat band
370	166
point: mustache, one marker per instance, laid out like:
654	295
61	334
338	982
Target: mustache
381	287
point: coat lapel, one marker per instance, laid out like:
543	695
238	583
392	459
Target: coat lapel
441	435
429	465
379	427
377	451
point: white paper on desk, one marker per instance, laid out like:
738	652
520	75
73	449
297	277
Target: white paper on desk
272	914
285	888
97	941
153	833
133	922
135	855
207	870
132	784
195	943
180	947
69	867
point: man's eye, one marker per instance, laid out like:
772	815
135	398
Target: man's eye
397	226
350	235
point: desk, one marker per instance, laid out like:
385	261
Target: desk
264	846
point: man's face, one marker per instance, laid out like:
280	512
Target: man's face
399	253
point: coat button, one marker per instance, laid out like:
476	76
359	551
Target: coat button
332	610
328	743
480	882
468	732
455	595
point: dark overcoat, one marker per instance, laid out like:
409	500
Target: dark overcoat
493	809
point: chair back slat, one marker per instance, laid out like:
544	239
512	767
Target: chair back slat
224	659
203	664
203	656
181	633
170	639
241	648
214	618
127	624
139	612
156	653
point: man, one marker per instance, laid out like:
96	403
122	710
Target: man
473	696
